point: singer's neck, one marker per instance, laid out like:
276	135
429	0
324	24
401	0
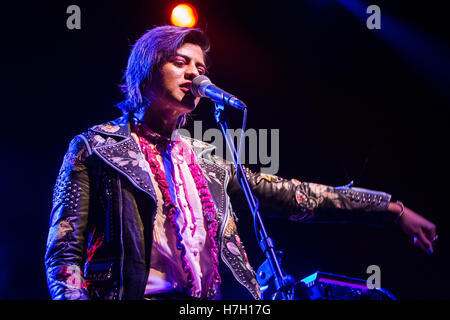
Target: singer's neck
162	120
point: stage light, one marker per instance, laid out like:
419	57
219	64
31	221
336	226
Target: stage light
184	15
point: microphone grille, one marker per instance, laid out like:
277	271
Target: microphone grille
199	84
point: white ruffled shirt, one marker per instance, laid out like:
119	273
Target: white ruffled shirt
166	273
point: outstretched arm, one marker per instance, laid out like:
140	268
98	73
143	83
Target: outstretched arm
303	201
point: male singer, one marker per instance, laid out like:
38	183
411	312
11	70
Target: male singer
140	212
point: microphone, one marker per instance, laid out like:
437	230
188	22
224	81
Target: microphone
201	86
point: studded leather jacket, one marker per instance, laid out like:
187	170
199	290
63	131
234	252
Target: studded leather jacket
104	203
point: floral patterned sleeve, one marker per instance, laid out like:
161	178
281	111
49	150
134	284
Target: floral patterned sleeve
307	202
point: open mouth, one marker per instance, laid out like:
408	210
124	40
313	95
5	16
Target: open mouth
186	87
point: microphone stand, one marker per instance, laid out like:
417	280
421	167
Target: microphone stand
271	267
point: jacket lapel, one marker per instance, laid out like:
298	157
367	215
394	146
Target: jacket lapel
121	152
123	155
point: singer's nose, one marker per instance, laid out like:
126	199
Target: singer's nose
191	72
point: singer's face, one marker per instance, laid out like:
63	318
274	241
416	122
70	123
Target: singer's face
170	87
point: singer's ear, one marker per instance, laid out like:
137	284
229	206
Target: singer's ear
150	79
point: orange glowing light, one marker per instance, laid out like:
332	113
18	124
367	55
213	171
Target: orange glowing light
184	15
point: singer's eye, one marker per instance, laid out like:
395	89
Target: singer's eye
178	62
201	71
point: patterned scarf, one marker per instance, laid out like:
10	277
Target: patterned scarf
151	151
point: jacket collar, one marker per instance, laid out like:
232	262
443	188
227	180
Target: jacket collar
120	127
125	156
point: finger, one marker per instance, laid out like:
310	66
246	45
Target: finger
419	243
430	232
426	244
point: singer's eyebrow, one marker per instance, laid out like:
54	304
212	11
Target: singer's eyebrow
188	59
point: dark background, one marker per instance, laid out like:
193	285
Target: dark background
350	103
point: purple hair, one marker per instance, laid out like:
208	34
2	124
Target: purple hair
149	53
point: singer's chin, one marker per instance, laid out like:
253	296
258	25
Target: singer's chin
190	102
